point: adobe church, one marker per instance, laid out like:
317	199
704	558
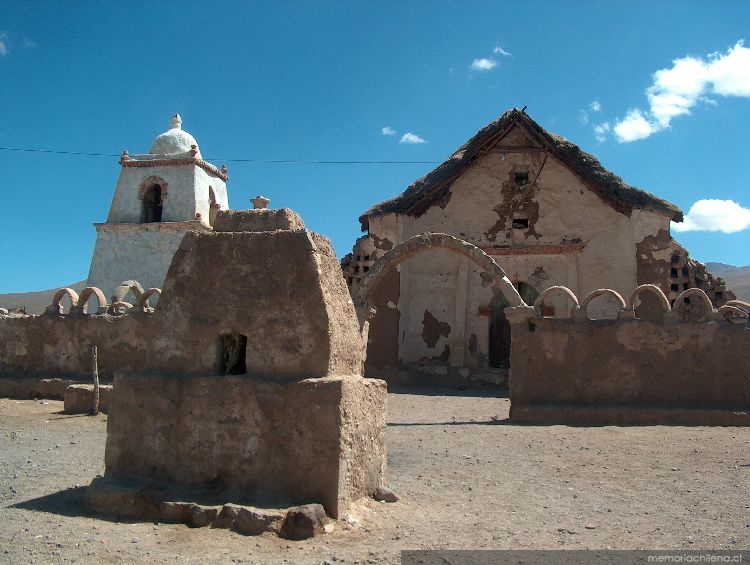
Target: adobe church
159	197
547	212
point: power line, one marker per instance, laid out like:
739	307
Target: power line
258	161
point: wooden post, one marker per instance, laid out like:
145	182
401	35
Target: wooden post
95	371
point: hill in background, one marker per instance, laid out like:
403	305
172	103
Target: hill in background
34	302
738	278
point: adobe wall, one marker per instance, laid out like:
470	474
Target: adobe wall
60	346
630	371
317	440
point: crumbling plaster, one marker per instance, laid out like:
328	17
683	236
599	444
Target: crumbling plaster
598	249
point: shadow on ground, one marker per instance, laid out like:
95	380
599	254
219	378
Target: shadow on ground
68	502
479	392
498	422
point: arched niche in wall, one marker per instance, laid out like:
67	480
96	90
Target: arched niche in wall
152	192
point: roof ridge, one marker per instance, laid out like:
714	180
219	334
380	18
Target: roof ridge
609	186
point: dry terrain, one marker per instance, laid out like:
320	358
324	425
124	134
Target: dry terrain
34	302
738	278
467	479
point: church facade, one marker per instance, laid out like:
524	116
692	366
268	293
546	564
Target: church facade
547	212
159	197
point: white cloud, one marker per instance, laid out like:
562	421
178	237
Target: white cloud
388	130
583	117
601	130
634	126
715	215
410	137
4	45
483	64
595	106
28	43
676	90
500	51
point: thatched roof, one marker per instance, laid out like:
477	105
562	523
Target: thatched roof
432	188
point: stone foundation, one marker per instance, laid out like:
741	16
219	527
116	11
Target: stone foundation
79	399
154	500
251	441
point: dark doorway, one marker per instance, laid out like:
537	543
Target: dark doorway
499	346
233	352
152	204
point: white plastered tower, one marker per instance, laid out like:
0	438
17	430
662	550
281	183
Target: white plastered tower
159	197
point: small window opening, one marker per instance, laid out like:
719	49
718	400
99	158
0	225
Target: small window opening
685	286
675	287
367	257
520	223
233	352
365	268
685	272
674	273
358	257
521	177
152	204
356	269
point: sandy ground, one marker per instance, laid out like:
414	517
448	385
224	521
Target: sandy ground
467	479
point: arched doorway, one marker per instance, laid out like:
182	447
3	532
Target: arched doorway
499	334
152	204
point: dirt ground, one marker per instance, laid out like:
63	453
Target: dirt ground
467	480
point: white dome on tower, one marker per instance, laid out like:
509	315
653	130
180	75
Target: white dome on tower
174	140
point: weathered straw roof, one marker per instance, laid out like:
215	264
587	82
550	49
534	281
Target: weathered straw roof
432	188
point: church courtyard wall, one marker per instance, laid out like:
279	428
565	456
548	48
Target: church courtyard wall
681	369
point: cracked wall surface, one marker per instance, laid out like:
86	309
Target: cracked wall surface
541	223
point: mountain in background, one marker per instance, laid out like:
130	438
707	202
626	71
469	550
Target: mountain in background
34	302
738	278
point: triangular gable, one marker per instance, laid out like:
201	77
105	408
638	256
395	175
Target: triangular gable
433	188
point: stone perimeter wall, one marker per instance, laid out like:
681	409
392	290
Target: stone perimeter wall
681	369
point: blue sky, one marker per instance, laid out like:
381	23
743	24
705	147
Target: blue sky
320	80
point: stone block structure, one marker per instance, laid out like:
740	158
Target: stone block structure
246	379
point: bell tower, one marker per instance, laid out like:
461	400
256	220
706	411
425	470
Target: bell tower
159	196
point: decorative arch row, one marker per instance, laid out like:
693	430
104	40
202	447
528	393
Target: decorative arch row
735	311
79	303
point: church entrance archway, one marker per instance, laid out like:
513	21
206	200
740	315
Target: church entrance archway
499	334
